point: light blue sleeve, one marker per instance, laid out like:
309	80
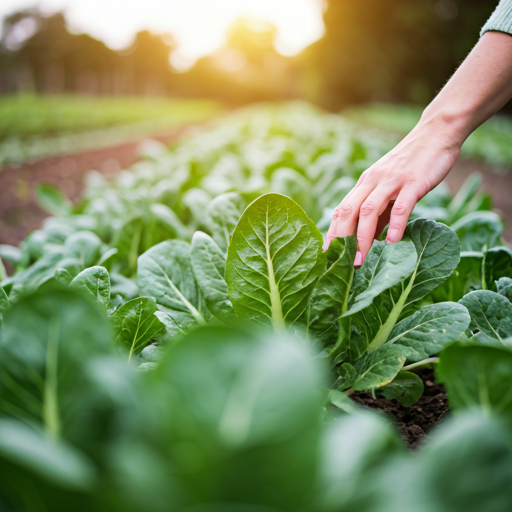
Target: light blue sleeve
501	19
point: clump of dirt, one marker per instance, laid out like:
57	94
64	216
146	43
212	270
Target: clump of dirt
415	422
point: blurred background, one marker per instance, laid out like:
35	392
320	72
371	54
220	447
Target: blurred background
333	53
83	82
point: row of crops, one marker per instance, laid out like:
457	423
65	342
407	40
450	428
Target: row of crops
179	341
34	127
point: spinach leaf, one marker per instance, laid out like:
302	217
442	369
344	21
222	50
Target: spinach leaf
478	230
96	282
491	318
209	266
47	341
222	216
274	261
477	376
165	273
504	287
136	324
406	388
52	200
330	296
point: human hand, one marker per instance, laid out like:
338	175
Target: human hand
389	189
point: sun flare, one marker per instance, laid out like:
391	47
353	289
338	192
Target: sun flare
199	26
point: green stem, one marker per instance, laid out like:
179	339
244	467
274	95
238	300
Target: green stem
419	364
50	394
275	296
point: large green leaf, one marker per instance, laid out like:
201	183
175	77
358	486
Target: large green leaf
222	216
248	402
209	266
478	230
330	296
165	273
385	266
96	282
504	287
46	343
379	367
438	256
430	329
477	376
497	264
274	261
136	324
437	250
491	317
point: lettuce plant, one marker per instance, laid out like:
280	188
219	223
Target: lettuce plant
370	320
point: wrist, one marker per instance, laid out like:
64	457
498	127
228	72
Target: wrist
450	129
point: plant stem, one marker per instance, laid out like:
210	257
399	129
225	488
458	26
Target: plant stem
419	364
50	400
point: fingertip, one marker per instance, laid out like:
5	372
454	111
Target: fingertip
358	260
393	235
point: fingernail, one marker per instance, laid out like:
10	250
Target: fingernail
359	259
392	235
326	244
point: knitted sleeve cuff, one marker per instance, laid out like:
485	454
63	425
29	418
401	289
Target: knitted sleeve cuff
501	19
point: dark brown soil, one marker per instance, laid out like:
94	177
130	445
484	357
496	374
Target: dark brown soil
415	422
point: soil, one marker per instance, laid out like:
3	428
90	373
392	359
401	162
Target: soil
415	422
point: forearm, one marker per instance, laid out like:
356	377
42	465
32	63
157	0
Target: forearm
478	89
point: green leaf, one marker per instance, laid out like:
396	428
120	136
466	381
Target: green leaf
63	276
289	183
385	266
209	266
430	329
169	219
274	261
96	282
477	376
379	367
251	402
437	250
222	216
136	324
467	277
406	388
84	247
491	317
477	230
464	196
53	201
330	296
54	461
438	256
504	287
343	402
497	264
10	253
43	378
347	376
165	273
4	300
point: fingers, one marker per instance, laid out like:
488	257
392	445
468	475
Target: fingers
400	213
344	219
369	213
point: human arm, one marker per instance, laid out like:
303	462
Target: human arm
477	90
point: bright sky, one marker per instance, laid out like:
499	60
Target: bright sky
199	26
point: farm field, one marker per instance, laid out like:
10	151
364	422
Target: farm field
35	127
177	340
